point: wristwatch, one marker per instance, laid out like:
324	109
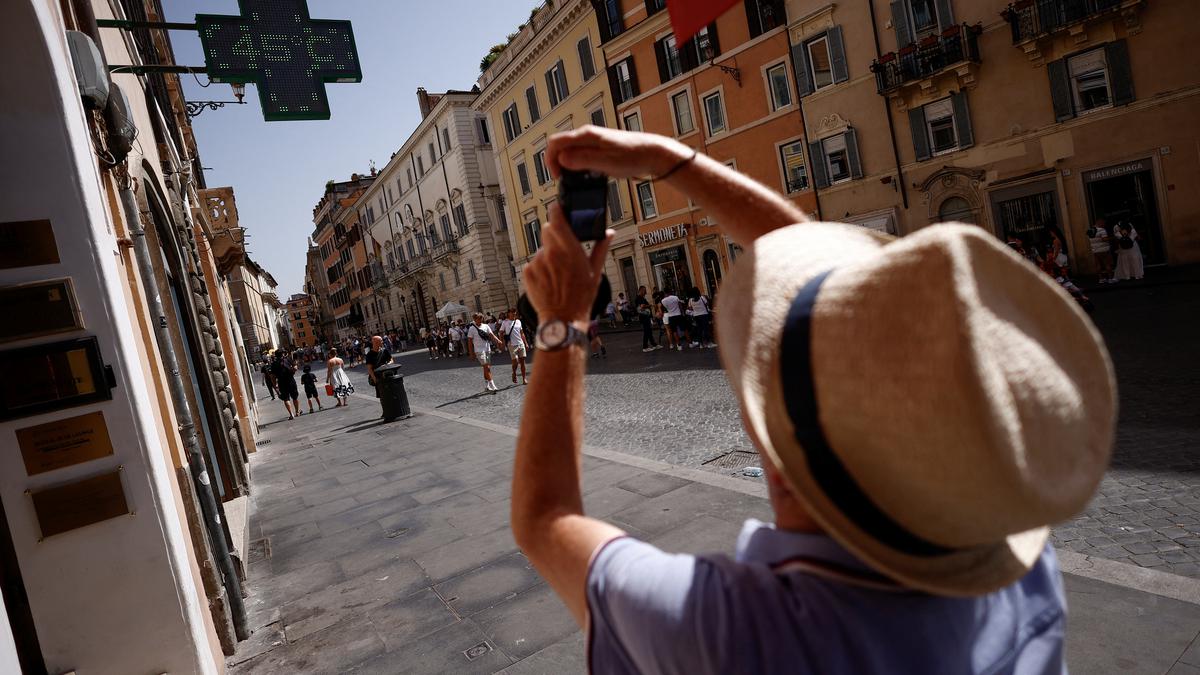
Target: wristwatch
556	334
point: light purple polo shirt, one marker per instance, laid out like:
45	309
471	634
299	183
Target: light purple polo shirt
656	612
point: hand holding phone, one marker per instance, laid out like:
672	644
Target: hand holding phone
583	196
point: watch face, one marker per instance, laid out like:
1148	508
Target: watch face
554	333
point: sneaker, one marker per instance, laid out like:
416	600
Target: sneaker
658	347
694	345
711	345
679	347
648	349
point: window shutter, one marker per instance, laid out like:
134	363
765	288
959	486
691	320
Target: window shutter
614	85
1120	75
962	120
920	137
837	54
633	78
900	23
753	18
660	53
712	36
852	154
1060	90
816	162
800	65
561	77
586	67
550	88
531	100
689	58
652	7
945	14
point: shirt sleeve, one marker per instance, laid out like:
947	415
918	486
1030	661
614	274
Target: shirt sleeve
648	611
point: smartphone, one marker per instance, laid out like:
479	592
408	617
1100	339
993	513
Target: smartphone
583	196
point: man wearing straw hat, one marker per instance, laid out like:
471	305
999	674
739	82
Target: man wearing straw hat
926	408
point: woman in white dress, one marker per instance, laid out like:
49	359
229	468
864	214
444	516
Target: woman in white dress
1129	253
336	377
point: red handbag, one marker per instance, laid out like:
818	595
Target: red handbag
329	390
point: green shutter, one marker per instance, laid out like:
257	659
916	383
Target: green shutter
900	23
837	54
852	154
962	120
1120	75
920	137
1060	90
800	66
816	163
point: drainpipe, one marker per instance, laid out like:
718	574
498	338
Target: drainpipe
887	108
187	426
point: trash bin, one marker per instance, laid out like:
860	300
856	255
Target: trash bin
390	386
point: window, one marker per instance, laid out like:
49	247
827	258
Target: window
539	167
956	210
447	231
1089	81
598	117
781	92
478	304
432	155
646	198
460	219
457	278
670	65
408	173
705	43
556	84
533	235
512	122
1093	80
835	159
610	19
502	216
794	174
442	280
633	122
655	6
623	81
523	177
615	212
531	100
939	123
714	114
485	136
923	15
820	66
586	65
764	15
471	270
420	166
940	127
446	139
682	107
412	251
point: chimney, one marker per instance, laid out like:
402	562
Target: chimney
423	102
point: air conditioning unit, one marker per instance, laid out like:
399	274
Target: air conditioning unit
121	129
90	71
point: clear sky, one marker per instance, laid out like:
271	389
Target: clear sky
278	169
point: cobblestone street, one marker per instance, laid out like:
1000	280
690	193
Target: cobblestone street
677	408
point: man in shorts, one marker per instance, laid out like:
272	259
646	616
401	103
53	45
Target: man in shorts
514	333
482	338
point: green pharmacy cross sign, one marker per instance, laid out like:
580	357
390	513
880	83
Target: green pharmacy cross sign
287	55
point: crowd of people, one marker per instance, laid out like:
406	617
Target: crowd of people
280	368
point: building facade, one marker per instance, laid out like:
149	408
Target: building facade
302	316
434	223
728	92
256	305
549	78
1031	120
340	248
316	285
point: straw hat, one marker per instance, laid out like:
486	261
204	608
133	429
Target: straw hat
935	402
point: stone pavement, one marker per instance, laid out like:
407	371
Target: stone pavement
384	548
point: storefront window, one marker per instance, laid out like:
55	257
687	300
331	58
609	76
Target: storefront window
670	269
1029	224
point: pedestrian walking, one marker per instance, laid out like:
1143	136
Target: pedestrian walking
911	513
594	341
455	337
285	379
513	332
483	338
269	379
645	313
672	308
1129	253
310	389
701	318
336	377
431	343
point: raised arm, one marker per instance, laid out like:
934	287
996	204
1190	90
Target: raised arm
744	208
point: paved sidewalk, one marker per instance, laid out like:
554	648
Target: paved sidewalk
384	548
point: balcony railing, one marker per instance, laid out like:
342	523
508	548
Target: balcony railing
924	59
1030	19
444	248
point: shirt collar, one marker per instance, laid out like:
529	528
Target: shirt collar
763	543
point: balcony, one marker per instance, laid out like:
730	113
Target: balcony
1033	19
444	248
955	50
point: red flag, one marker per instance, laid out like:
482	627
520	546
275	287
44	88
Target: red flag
689	16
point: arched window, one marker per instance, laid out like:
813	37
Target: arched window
408	213
956	209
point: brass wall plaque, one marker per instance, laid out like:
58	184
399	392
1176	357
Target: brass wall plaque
25	243
66	442
74	505
51	376
43	308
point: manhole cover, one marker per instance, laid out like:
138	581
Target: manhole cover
733	460
477	651
259	549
